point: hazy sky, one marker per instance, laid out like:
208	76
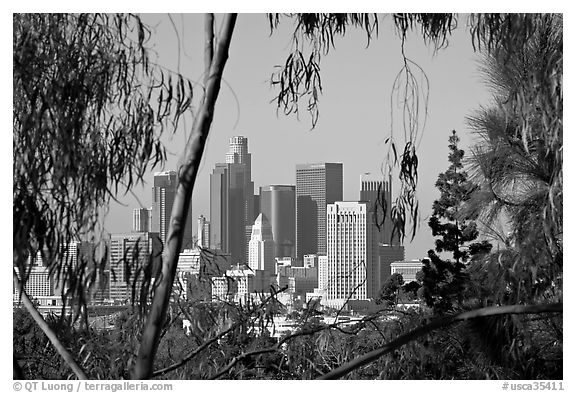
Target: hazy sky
355	113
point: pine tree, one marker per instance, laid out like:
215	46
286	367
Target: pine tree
446	221
443	281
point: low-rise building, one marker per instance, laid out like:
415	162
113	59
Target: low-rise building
408	269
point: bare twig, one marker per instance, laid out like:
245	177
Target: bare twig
195	353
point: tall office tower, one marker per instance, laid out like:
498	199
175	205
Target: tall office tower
232	201
261	247
238	154
140	220
203	232
163	194
389	254
138	249
227	219
317	185
353	268
375	192
278	204
257	210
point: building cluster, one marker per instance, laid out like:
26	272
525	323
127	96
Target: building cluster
302	240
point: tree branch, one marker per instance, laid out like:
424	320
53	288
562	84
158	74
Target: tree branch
208	45
194	353
436	324
143	367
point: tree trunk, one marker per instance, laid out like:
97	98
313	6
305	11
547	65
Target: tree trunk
143	367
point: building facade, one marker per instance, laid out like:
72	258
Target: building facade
353	269
378	194
261	247
130	254
232	201
278	204
322	272
238	154
163	194
238	285
317	185
141	220
388	254
203	229
408	269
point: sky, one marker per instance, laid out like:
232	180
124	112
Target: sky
355	110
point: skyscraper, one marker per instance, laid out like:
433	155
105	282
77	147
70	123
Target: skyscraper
261	247
376	193
316	186
129	254
141	220
278	205
238	154
353	264
203	232
163	194
231	201
389	254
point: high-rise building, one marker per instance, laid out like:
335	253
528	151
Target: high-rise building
141	220
353	268
227	219
278	204
203	232
261	247
379	193
317	185
163	194
130	254
232	201
388	254
238	154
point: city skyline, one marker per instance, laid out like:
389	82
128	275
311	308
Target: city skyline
354	117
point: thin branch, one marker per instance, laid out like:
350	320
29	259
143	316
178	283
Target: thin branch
436	324
194	353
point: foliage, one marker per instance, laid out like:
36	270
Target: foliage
411	290
390	288
446	221
89	109
518	164
443	283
